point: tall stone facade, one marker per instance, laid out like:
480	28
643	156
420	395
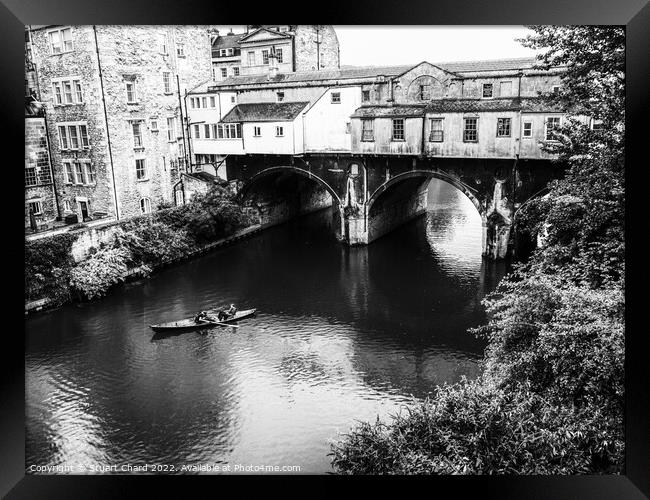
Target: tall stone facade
40	197
113	106
316	47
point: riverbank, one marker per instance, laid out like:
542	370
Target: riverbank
86	263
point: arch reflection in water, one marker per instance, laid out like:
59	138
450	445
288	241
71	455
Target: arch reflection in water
342	334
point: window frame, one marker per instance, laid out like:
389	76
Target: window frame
365	137
38	203
167	82
365	93
265	57
62	41
279	96
60	95
138	142
393	137
483	87
335	98
466	130
546	127
141	174
257	131
224	72
171	127
80	134
503	121
530	129
441	130
133	92
145	205
279	130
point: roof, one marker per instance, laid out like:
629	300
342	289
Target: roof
388	111
305	76
276	34
226	42
264	112
488	65
478	105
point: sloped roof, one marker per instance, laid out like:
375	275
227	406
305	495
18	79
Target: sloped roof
264	112
305	76
488	65
226	42
478	105
396	111
276	34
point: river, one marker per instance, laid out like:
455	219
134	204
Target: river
342	334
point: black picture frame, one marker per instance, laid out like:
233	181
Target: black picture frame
635	14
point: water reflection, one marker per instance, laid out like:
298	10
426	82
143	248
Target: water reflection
342	334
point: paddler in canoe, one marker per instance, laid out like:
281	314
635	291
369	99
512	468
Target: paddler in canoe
204	317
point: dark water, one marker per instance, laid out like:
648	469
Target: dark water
342	334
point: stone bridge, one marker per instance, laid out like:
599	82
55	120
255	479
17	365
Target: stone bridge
375	194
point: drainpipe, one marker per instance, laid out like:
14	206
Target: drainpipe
49	152
180	107
108	135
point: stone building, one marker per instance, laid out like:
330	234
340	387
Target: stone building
273	49
113	96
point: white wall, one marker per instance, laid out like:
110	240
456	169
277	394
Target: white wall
326	122
268	143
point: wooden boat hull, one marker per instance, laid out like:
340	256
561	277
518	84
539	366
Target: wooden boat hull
189	324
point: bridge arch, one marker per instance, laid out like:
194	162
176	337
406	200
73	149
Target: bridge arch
273	171
427	175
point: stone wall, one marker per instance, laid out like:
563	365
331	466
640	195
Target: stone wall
37	156
306	48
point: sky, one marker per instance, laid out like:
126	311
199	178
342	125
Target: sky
397	45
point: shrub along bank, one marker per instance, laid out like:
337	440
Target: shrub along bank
142	243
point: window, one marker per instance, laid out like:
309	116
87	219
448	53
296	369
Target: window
279	131
348	129
83	132
69	174
257	131
180	50
137	135
251	58
235	71
204	102
60	40
278	55
154	125
130	92
90	173
206	130
230	52
528	129
470	132
365	96
145	205
503	127
222	52
30	176
214	131
506	89
354	169
367	130
336	98
233	99
78	92
212	102
67	91
596	125
197	132
79	171
58	95
63	137
556	89
280	96
167	82
552	123
398	129
170	129
224	72
487	90
164	44
140	169
66	206
425	92
229	131
35	207
265	57
74	137
437	133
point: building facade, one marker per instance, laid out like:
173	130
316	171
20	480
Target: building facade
279	48
113	96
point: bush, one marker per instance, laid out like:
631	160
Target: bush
104	269
152	242
48	263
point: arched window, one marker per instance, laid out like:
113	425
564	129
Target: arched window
145	205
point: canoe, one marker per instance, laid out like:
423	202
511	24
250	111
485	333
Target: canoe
190	324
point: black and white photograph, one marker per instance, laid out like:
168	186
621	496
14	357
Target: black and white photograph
324	249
